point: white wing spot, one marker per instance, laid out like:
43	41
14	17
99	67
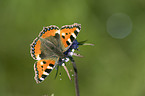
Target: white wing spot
77	30
73	35
41	62
38	57
41	78
48	67
63	34
69	41
45	73
58	31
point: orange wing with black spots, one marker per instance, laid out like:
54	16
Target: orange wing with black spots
43	68
36	47
68	34
49	31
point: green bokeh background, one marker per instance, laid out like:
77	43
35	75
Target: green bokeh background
113	67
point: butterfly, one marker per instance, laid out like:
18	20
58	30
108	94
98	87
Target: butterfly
53	47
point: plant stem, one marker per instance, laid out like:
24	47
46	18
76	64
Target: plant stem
75	77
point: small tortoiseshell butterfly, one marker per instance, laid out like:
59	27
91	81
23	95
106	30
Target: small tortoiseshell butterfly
53	47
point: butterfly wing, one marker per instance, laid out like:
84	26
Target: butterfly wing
43	68
68	34
47	40
45	48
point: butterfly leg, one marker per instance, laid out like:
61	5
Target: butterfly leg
57	68
62	63
66	70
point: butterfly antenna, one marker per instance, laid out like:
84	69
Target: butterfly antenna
66	71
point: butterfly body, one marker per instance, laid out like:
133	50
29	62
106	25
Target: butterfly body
52	47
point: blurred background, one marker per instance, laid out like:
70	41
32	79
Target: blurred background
115	66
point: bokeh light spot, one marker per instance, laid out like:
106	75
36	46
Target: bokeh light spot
119	25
